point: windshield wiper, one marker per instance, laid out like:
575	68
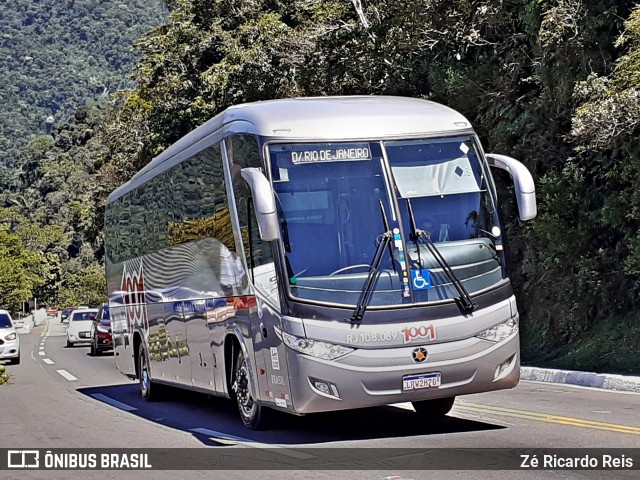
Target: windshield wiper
374	270
464	301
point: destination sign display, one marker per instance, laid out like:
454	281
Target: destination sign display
330	153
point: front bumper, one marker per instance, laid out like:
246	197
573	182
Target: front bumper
10	350
368	378
104	342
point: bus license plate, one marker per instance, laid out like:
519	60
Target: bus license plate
416	382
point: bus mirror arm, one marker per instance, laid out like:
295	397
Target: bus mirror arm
522	180
264	203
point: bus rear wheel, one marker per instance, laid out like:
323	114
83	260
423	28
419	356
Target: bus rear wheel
252	414
434	409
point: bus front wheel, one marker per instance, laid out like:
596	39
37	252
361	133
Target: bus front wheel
148	389
252	414
436	408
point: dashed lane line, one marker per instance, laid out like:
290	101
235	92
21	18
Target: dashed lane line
67	375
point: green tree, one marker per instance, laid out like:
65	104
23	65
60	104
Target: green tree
21	260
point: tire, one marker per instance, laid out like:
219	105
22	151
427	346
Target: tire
149	390
434	409
92	352
69	344
15	361
253	415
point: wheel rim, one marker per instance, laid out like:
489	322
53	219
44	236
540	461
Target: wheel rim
144	375
243	392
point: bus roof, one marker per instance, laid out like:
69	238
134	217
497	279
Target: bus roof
336	118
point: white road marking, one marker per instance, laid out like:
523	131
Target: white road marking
111	401
250	443
67	375
403	406
48	361
41	347
41	353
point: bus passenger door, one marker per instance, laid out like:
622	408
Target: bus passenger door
271	359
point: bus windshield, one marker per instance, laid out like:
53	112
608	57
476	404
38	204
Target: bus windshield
334	200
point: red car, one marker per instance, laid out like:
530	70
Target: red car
101	338
52	311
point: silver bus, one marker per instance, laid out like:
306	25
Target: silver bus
317	254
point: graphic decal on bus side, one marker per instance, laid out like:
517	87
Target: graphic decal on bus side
133	295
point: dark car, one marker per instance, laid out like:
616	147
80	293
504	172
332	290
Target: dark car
101	338
66	312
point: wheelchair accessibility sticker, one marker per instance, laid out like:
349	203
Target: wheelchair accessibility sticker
421	279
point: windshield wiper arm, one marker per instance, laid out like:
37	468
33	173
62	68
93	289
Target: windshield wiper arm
374	270
464	301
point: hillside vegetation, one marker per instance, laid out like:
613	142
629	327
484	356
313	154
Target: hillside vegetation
553	83
57	54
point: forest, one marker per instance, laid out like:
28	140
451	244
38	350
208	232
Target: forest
57	55
553	83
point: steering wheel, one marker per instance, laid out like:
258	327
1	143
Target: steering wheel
350	267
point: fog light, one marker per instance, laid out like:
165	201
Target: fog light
504	368
324	388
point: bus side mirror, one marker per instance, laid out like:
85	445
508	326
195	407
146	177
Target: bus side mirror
523	182
264	203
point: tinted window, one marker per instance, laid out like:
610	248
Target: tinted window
83	315
104	317
183	204
200	198
5	321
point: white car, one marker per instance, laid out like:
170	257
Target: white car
79	327
9	339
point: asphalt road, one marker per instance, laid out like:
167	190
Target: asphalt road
63	398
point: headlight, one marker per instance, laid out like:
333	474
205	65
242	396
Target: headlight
326	351
11	336
500	332
102	329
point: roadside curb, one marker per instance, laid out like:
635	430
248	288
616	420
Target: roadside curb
619	383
